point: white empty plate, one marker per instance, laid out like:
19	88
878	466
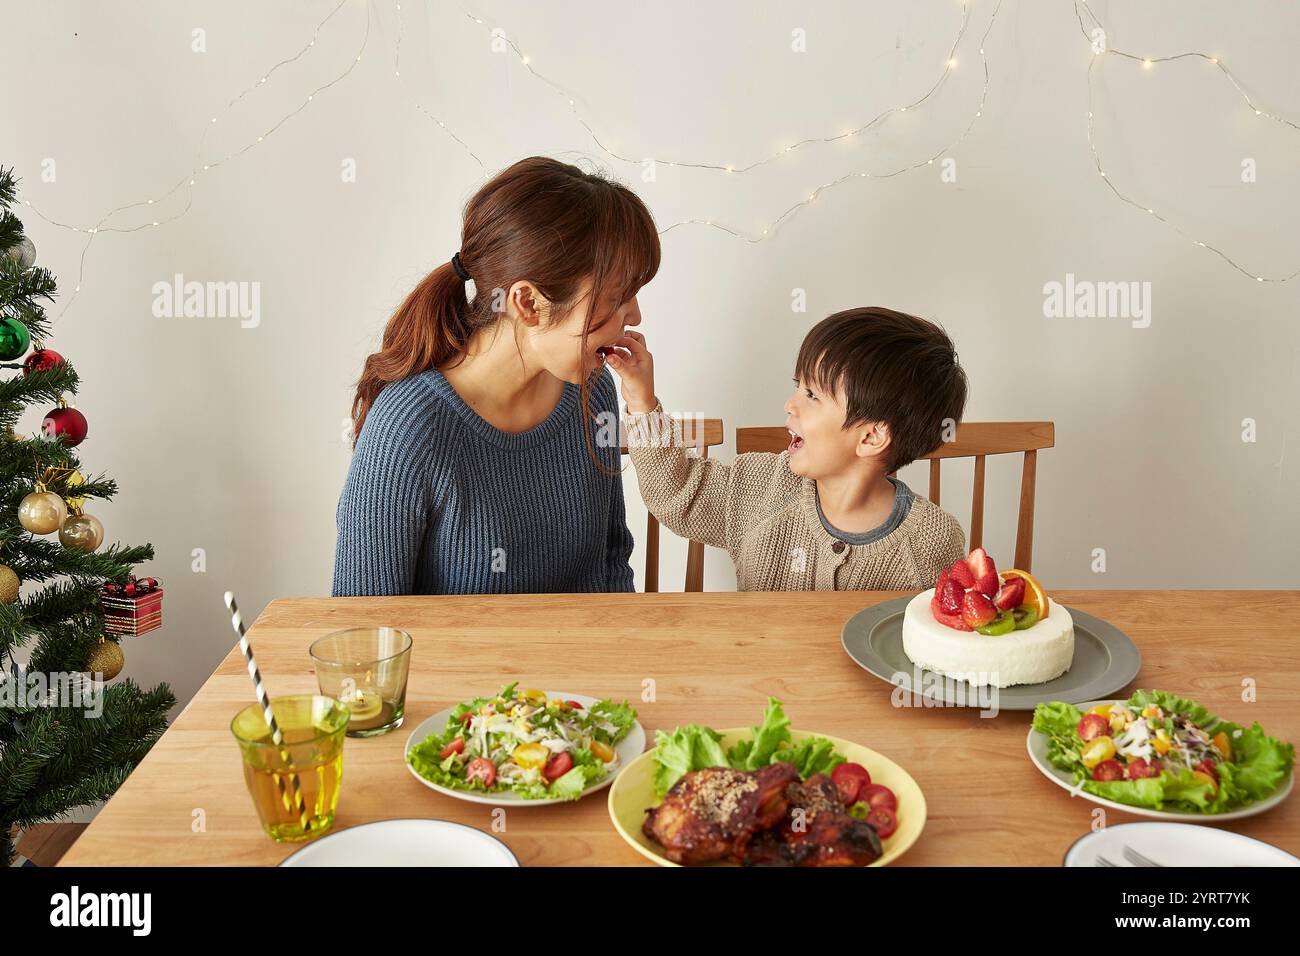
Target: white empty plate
405	843
1173	844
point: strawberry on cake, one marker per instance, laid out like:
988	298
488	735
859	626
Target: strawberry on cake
984	628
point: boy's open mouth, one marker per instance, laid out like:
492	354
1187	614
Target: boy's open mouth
796	441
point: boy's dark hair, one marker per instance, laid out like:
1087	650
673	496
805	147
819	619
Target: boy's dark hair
889	367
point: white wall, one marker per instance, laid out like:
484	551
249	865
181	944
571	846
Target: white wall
229	439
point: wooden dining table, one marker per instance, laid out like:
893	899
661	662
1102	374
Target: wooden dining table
681	658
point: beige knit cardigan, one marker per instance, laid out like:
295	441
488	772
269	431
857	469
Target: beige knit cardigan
766	517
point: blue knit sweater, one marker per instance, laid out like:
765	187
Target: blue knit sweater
440	501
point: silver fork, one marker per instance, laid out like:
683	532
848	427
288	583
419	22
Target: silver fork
1102	861
1137	859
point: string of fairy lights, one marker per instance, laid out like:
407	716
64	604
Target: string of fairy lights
199	167
949	61
1149	62
602	142
768	231
420	107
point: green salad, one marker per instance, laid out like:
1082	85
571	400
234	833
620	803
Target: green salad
1164	752
523	742
695	747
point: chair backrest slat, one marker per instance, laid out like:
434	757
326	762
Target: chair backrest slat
701	433
976	505
973	440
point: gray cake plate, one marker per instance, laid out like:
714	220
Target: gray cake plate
1105	661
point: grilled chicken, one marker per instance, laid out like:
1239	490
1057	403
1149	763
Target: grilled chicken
712	814
815	832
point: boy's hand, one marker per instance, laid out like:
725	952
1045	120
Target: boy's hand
636	370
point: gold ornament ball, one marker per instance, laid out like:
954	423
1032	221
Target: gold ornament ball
105	658
42	512
8	585
81	533
75	479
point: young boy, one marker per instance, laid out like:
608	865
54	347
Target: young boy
876	389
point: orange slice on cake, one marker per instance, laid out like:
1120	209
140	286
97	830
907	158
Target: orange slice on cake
1034	594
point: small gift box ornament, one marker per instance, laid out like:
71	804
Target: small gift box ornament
133	608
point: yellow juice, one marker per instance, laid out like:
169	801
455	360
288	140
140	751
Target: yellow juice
295	786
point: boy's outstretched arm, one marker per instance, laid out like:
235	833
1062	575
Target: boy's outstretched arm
690	496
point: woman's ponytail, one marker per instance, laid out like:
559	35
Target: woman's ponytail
428	328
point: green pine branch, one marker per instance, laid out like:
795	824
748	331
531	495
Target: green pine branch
55	758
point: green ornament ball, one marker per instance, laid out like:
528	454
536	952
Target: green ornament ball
14	339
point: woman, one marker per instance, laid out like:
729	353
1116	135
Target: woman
480	463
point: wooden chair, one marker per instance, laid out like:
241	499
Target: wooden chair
975	440
703	434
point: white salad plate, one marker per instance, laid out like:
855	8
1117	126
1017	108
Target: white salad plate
1037	746
405	843
627	750
1172	844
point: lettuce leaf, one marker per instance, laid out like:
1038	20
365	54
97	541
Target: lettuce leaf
766	740
695	747
620	716
814	755
688	748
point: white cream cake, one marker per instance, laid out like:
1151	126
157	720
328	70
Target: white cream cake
1036	654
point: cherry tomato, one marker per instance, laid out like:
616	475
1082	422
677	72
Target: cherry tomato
850	778
1223	745
601	751
575	705
1092	725
1097	750
457	746
1207	769
466	717
557	766
884	821
480	768
1108	770
1139	768
530	756
1208	777
879	797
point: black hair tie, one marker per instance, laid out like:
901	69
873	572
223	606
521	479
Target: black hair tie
458	268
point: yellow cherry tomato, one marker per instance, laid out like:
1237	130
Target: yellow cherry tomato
1096	750
1222	745
534	696
530	756
1151	710
602	751
1101	710
1118	721
1161	743
1206	777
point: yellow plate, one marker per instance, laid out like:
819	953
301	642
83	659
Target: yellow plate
633	793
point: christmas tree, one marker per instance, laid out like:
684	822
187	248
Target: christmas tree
67	738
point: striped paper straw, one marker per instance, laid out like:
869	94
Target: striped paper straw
276	736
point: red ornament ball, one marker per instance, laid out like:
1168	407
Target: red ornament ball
42	360
68	423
